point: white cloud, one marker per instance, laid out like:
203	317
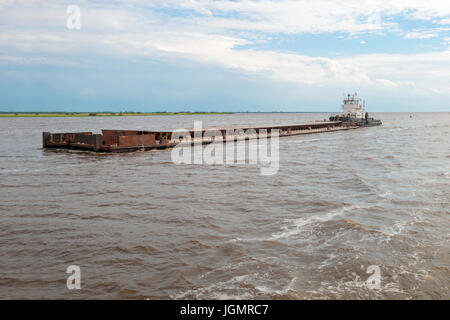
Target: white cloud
272	16
387	83
420	35
317	16
217	28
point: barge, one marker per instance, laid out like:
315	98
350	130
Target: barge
353	117
132	140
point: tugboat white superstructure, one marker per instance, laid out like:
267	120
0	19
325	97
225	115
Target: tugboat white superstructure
353	111
352	107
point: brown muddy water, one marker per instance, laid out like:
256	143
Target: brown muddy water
139	226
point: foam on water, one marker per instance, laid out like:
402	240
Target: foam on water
296	226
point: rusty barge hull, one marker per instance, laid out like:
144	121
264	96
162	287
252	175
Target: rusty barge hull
133	140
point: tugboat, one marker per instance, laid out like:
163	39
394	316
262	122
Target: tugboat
353	111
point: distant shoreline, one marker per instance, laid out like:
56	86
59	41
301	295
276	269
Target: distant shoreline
9	114
97	114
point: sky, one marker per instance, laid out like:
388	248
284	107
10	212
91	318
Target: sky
241	55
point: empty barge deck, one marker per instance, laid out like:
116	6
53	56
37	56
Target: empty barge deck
133	140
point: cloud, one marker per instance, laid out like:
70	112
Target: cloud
415	35
290	16
213	33
387	83
270	16
420	35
